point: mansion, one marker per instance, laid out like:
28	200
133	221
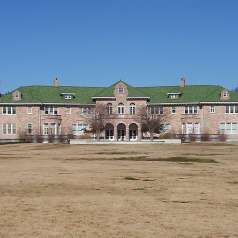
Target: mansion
62	110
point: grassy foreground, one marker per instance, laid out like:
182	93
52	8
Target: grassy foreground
119	191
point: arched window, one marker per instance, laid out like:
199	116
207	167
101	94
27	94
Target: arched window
132	108
109	108
120	108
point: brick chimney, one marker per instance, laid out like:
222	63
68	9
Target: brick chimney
56	82
182	82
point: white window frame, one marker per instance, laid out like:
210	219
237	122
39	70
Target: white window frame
191	110
50	129
120	90
132	108
225	94
212	109
231	109
68	97
9	110
228	128
121	109
157	110
79	128
109	109
29	110
9	129
29	130
51	110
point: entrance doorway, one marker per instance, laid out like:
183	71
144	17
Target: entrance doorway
133	132
121	132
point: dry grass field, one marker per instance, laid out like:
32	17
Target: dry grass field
122	191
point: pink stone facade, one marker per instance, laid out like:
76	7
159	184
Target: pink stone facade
70	119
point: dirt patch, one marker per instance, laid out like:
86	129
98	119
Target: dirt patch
98	191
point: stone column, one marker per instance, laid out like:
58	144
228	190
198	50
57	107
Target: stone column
127	132
139	133
115	132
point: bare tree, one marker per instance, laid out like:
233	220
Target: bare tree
152	123
97	120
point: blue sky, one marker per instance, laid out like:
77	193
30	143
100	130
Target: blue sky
97	42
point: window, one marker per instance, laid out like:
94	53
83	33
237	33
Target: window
67	97
29	110
191	128
157	110
9	129
212	109
132	109
225	94
173	110
228	128
68	110
29	128
232	109
9	110
49	129
120	90
50	110
79	128
109	108
191	110
120	108
165	127
85	110
173	96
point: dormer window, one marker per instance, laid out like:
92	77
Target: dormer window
174	95
68	96
225	94
120	90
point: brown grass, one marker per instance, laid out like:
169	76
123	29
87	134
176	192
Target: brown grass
119	191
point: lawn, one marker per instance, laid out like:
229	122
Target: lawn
119	191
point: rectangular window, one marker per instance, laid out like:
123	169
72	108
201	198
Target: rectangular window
79	128
9	110
157	110
29	110
29	128
50	129
222	128
191	110
232	109
212	109
173	110
50	110
228	128
9	129
85	110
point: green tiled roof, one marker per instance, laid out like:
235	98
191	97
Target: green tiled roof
132	91
83	95
50	94
190	93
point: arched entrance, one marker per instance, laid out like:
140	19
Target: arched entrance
109	131
133	132
121	132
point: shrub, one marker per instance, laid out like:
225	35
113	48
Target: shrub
85	136
39	138
205	137
192	137
167	135
51	138
222	137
